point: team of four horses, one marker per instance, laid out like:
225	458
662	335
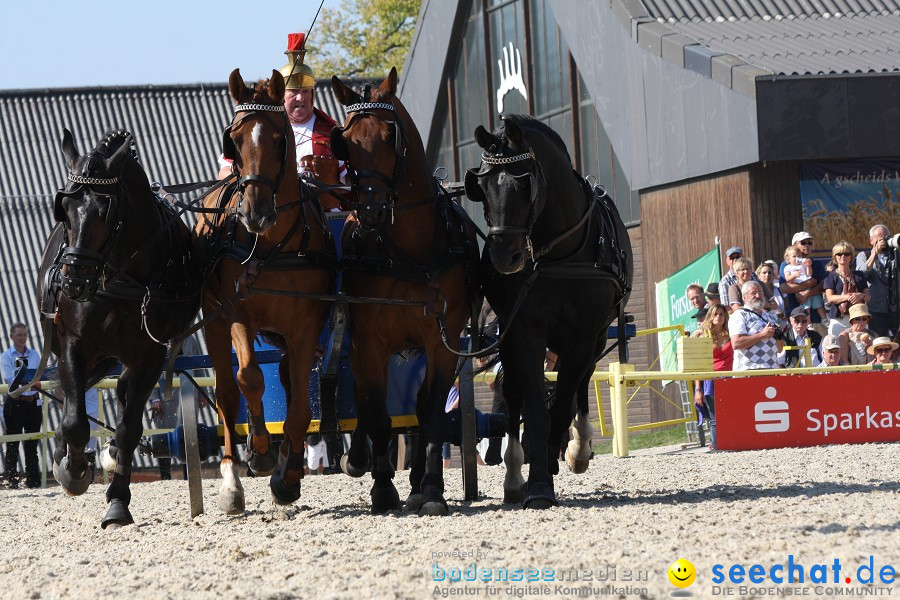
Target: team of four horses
122	274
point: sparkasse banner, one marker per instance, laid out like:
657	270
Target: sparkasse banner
784	411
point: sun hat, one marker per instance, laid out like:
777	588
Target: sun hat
881	342
859	310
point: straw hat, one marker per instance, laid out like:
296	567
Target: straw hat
859	310
881	342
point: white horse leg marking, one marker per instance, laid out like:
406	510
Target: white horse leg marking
578	451
514	457
106	461
231	495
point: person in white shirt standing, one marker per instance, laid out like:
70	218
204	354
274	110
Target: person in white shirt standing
22	414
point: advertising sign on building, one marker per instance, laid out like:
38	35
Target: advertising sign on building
673	306
785	411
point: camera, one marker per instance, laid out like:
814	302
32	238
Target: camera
892	242
778	335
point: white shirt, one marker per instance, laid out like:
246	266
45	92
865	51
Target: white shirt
303	134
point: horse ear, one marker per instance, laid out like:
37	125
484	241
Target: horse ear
343	93
513	132
338	144
473	188
485	138
388	87
236	87
276	86
69	150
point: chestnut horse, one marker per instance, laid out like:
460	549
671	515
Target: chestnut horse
410	243
117	281
558	271
269	234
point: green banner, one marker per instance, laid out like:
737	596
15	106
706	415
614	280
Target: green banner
673	306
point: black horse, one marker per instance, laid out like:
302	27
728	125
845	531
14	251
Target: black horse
558	270
116	281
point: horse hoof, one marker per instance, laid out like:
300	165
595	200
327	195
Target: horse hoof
577	465
231	502
348	468
433	503
71	484
513	496
117	515
282	494
540	497
262	465
414	502
384	499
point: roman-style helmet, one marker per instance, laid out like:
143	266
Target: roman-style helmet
297	74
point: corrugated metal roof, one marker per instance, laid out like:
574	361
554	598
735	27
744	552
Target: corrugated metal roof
786	37
178	130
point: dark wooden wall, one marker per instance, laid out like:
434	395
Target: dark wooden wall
756	207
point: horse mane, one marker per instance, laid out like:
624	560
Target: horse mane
529	122
108	145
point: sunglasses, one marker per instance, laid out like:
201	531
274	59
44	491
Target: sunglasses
832	349
860	319
842	254
796	320
886	350
806	243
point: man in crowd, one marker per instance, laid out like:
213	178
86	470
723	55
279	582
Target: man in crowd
696	298
22	414
730	278
796	336
831	351
797	293
712	294
753	336
878	265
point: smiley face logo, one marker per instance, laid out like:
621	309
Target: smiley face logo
682	573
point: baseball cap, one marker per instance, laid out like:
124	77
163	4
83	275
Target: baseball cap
700	314
734	250
830	342
799	311
800	236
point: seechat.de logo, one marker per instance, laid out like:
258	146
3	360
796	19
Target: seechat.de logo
772	416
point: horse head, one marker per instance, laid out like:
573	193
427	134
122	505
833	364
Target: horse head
510	185
91	206
374	144
260	142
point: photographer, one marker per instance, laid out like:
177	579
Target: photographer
879	267
756	339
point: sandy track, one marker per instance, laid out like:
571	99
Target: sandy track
639	514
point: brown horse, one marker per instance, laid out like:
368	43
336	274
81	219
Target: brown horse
408	243
281	247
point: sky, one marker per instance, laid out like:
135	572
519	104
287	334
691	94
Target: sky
54	43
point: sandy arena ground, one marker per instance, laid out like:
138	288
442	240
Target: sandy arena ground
634	515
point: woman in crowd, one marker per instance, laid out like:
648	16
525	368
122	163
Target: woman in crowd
715	326
844	287
882	348
743	268
767	272
856	339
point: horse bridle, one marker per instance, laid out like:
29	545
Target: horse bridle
533	174
82	288
365	109
229	151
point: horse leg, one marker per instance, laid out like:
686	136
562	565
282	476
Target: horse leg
434	426
355	462
260	457
70	468
514	457
578	450
285	481
133	389
417	465
371	385
231	493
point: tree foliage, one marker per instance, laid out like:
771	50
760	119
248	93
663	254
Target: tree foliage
362	38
